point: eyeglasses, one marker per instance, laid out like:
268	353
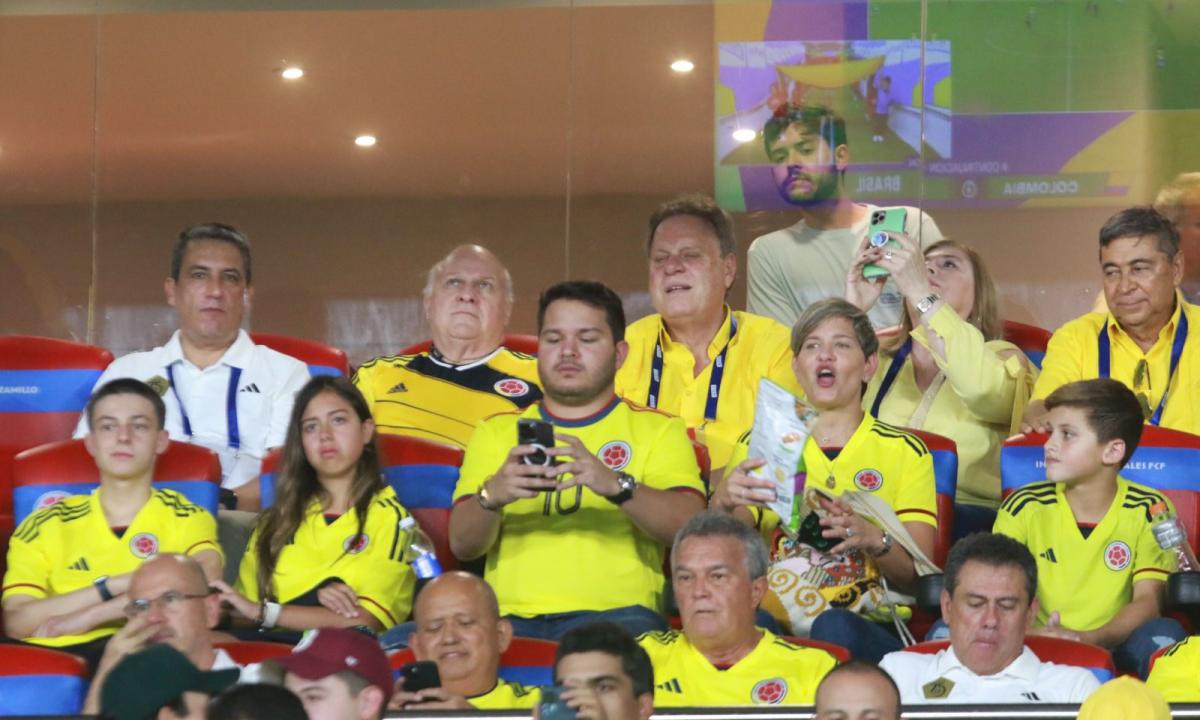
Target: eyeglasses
169	601
1141	374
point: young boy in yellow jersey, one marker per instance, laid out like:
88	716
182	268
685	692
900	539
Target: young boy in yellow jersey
1101	572
69	564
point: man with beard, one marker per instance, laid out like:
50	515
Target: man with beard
581	537
792	268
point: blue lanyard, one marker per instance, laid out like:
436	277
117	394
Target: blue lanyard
890	376
714	378
231	419
1176	353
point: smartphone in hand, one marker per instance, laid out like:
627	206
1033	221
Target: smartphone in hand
883	221
538	433
420	676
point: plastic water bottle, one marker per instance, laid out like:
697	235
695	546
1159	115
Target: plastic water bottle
424	560
1171	536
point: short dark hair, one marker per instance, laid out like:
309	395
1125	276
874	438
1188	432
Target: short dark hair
816	120
1141	222
1111	408
858	666
835	307
701	207
256	701
995	551
210	231
127	386
598	295
612	639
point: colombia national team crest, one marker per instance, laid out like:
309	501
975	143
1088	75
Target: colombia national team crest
1117	555
511	387
615	454
143	545
355	544
769	692
49	498
868	479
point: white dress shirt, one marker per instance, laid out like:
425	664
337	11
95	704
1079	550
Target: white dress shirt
1026	680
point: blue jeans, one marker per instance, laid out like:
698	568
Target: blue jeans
1133	655
864	639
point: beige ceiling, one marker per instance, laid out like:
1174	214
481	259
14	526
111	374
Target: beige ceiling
489	102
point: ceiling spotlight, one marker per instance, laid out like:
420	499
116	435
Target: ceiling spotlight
292	73
683	66
744	135
365	140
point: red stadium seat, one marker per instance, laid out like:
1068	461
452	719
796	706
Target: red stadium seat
526	661
521	343
1030	338
246	652
839	652
44	475
945	474
44	385
41	681
1049	649
321	359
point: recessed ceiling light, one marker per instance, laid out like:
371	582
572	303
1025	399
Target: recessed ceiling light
292	73
365	140
744	135
683	65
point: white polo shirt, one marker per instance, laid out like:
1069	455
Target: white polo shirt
942	678
237	420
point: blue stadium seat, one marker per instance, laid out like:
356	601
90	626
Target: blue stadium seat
41	681
321	359
1030	338
945	476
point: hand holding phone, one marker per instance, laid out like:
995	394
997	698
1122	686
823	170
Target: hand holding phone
420	675
883	222
552	706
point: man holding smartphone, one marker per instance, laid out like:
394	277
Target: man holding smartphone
601	673
580	538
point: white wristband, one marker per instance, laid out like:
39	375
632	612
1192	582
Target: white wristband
271	611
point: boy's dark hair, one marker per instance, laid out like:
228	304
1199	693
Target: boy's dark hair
1142	222
126	386
1112	410
598	295
257	701
703	208
996	551
210	231
859	666
612	639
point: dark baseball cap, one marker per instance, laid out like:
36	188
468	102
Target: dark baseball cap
326	651
145	681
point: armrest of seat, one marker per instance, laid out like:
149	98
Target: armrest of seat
929	593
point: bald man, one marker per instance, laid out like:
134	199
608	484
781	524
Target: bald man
458	626
442	394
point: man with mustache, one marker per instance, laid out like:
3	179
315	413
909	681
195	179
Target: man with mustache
792	268
581	537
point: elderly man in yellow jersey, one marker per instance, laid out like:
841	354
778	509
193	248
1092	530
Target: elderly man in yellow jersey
696	357
69	565
442	394
579	538
719	572
1150	337
458	626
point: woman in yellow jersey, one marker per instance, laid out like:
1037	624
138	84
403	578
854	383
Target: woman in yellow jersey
948	371
331	551
835	354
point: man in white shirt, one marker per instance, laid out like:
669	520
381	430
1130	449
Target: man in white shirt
989	603
221	390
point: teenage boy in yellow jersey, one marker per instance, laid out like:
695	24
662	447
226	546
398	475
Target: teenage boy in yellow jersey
1176	673
69	565
458	626
607	675
1101	572
719	573
695	357
580	540
443	393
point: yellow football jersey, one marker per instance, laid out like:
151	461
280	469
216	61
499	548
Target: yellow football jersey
776	672
572	549
879	458
67	546
376	567
760	348
1119	551
427	397
506	696
1176	673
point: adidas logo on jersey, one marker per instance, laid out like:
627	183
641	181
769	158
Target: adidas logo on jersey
80	564
398	388
251	388
1048	555
671	686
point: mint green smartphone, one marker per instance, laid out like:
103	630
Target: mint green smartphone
883	221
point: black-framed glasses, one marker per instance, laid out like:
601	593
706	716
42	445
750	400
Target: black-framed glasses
169	601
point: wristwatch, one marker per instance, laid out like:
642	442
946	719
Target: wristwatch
885	546
627	484
926	303
101	585
485	498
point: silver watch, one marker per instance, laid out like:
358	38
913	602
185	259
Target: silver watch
885	546
926	303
